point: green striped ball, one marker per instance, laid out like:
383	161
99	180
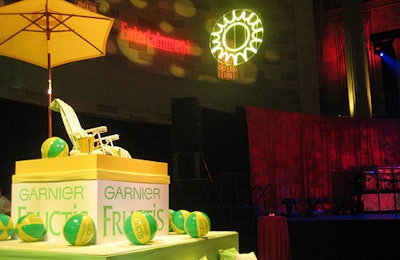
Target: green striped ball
79	230
197	224
171	214
54	147
178	221
30	228
140	228
6	227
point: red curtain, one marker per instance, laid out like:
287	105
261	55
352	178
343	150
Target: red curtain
297	153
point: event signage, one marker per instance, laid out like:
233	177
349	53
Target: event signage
154	39
227	72
108	203
236	36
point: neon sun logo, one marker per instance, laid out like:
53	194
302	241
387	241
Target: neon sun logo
236	37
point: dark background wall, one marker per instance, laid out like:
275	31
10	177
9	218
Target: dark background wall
283	75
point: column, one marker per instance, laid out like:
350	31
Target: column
358	84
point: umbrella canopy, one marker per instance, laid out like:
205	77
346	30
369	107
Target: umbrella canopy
49	33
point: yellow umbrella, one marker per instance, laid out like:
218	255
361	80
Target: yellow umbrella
49	33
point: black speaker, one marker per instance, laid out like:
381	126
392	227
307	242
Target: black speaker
186	125
187	166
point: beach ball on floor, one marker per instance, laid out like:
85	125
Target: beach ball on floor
140	228
6	227
79	230
178	221
197	224
30	228
54	147
171	214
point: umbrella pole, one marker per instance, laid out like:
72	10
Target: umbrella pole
49	93
50	117
50	88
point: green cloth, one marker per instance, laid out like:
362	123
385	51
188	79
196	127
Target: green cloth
228	254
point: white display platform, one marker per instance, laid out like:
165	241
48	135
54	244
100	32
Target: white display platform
107	188
169	247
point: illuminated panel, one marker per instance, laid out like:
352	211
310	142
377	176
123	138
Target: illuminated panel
227	72
236	36
154	39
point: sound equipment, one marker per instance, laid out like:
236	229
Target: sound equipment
187	165
186	125
381	190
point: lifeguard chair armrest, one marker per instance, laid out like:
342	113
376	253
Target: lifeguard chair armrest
95	130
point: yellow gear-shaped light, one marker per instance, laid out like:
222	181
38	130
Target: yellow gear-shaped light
236	37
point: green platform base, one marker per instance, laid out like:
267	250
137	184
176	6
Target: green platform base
170	247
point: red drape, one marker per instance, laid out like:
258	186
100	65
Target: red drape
297	153
273	238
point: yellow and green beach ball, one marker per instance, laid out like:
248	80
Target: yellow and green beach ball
79	230
6	227
140	228
171	214
178	221
197	224
30	228
54	147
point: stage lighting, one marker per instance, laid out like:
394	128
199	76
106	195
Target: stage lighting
383	47
383	41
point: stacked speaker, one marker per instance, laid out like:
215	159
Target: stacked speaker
381	189
187	138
